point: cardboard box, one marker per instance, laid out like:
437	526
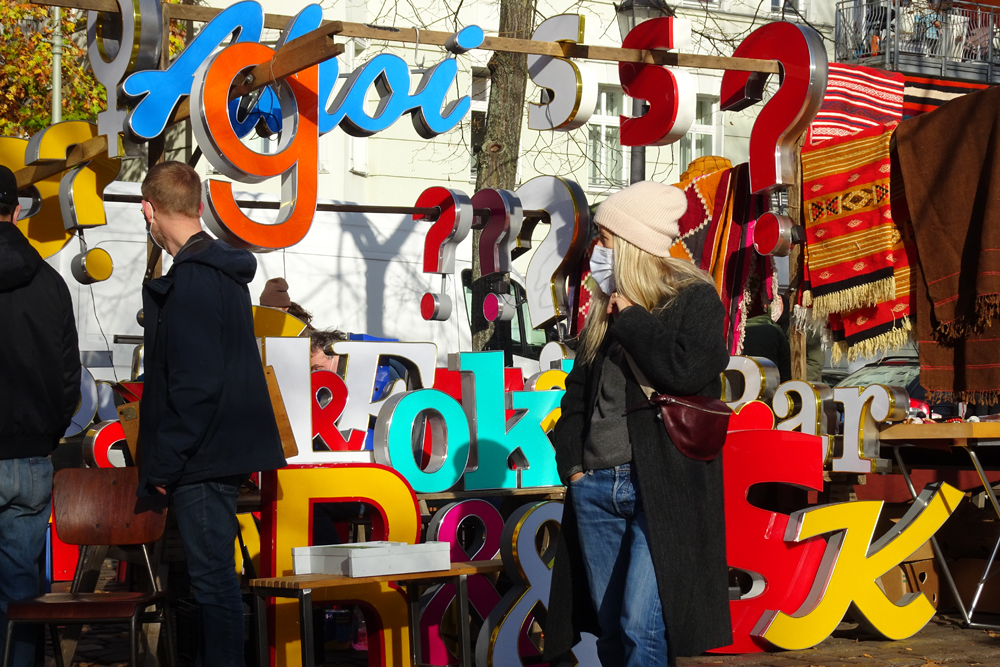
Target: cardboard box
970	532
912	577
372	559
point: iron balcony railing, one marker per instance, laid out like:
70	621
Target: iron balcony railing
958	40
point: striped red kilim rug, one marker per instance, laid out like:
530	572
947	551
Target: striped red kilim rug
856	99
849	230
921	95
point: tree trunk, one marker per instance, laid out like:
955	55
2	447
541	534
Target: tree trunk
497	159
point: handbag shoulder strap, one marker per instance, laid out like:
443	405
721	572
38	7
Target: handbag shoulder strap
639	375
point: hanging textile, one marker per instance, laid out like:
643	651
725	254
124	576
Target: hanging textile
887	325
849	230
746	281
922	95
704	193
856	99
966	370
948	163
884	326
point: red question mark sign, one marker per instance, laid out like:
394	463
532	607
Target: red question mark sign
672	94
788	113
451	227
500	231
324	418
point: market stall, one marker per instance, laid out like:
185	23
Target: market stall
871	269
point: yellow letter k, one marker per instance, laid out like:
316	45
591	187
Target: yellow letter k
847	577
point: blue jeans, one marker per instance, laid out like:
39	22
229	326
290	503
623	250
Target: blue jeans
206	517
25	504
615	542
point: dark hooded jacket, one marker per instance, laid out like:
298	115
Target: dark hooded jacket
681	350
205	410
39	356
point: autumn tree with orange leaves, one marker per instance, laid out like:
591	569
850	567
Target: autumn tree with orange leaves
26	69
26	32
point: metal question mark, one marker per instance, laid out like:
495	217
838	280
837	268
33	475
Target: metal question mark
451	227
559	253
788	113
672	93
500	231
41	224
572	87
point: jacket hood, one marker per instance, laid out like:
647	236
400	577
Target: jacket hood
19	262
238	264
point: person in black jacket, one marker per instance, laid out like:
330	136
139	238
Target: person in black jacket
206	417
39	392
641	557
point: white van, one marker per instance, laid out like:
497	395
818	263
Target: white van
360	273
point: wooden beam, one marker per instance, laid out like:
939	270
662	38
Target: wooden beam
82	152
438	38
300	54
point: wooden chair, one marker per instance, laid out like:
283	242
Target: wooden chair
98	506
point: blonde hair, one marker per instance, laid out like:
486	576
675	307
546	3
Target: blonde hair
644	279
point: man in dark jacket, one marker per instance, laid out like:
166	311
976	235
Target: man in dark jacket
206	419
39	392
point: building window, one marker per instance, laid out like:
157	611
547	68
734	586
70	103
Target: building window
607	157
701	139
789	9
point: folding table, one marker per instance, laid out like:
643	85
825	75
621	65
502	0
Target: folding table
301	587
973	438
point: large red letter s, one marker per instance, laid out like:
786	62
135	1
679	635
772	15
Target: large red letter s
782	572
671	93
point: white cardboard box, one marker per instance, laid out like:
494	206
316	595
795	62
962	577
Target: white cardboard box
371	559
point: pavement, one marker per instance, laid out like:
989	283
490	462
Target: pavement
941	643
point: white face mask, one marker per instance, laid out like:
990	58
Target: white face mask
602	268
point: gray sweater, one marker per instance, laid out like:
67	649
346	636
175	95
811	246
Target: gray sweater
607	443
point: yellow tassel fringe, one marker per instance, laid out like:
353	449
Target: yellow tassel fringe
860	296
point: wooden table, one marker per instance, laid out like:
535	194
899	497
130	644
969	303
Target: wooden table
968	436
301	587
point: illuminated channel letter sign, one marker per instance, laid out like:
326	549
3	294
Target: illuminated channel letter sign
119	44
671	93
851	566
572	87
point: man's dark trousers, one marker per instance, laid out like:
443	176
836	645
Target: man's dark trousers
206	517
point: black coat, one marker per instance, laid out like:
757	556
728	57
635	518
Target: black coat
39	357
681	350
205	409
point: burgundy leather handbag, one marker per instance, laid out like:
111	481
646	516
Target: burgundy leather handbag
697	425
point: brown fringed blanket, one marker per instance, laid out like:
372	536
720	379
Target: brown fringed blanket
950	164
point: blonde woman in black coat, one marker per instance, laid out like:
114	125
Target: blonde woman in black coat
641	559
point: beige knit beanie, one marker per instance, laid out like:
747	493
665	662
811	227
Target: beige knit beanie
645	214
